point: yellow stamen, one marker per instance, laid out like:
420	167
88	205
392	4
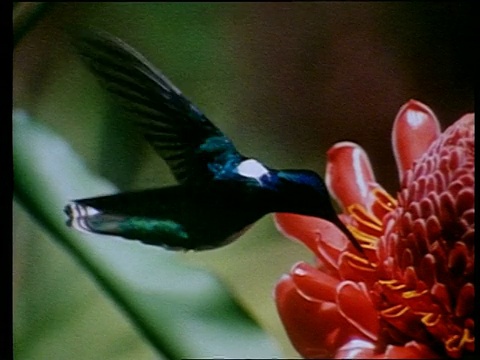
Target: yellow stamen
392	284
360	263
362	216
395	311
466	338
388	282
384	199
413	293
367	241
421	313
449	343
431	319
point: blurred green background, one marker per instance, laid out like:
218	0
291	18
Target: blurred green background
284	80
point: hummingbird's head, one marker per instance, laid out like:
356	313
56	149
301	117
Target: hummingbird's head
304	192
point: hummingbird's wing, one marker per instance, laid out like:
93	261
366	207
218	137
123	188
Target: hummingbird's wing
193	147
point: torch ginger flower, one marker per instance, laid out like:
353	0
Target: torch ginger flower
414	296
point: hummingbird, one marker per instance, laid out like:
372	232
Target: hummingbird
220	192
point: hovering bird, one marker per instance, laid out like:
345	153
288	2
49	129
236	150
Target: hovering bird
221	192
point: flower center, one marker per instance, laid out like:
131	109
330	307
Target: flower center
409	307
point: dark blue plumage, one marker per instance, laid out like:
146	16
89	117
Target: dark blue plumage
220	192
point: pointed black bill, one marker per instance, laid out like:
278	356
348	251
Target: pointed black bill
350	237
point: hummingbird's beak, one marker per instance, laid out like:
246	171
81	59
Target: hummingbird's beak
350	237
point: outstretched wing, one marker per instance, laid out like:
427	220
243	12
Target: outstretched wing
193	147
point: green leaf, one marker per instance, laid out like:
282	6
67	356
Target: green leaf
184	312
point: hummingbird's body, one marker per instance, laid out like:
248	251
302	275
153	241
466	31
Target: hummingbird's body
220	192
181	216
178	216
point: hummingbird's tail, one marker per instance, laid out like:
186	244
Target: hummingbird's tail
90	220
158	232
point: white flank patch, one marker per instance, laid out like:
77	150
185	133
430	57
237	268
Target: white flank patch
252	168
79	215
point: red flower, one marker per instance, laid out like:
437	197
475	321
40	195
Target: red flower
414	296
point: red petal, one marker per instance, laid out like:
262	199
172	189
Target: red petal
440	292
349	175
354	268
322	237
314	284
316	329
356	349
355	305
465	301
331	244
411	350
299	227
359	349
415	128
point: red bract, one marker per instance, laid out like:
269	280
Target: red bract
414	295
